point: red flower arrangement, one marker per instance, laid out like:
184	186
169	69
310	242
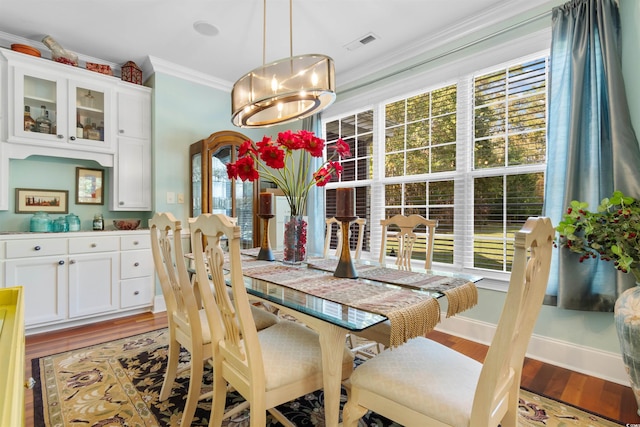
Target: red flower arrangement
276	161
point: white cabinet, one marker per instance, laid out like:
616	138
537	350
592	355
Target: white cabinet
136	271
40	266
79	277
67	96
93	275
131	177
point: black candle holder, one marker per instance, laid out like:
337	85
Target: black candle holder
346	268
265	253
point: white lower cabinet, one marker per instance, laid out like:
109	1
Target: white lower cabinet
44	280
74	278
136	271
93	284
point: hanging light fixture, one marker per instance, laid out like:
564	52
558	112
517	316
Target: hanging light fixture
284	90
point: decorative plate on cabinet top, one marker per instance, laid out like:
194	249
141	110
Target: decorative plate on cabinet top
23	48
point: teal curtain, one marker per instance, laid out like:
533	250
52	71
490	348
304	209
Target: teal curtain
592	148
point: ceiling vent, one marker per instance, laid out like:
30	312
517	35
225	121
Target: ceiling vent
361	41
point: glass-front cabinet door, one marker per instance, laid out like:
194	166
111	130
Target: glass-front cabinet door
213	192
50	109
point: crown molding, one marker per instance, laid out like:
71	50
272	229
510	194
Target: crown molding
157	65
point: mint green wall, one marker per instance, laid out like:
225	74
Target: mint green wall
185	112
56	174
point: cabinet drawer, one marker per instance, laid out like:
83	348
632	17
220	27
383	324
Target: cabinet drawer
136	292
138	241
135	264
36	248
87	245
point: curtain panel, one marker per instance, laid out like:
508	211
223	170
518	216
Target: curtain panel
592	147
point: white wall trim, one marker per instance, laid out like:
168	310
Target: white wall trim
586	360
159	304
153	65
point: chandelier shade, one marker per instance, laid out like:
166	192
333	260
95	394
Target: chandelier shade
282	91
285	90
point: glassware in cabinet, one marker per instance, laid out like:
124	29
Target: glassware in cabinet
40	96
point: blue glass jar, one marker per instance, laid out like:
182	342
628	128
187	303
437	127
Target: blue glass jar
41	223
60	225
73	222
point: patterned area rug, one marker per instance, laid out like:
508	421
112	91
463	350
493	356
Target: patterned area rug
118	383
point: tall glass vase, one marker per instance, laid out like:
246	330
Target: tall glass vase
295	239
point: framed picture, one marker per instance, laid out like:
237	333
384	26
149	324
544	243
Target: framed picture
29	200
89	186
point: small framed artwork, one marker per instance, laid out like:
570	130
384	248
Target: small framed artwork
29	200
89	186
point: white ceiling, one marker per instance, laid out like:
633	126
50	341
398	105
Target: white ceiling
120	30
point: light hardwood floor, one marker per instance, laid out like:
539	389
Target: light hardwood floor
601	397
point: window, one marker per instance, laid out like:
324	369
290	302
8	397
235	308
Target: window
470	154
509	142
357	131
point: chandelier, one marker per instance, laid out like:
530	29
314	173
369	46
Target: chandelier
284	90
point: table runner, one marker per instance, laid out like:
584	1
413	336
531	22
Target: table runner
461	293
411	314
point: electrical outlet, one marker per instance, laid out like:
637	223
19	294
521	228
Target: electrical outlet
171	197
180	197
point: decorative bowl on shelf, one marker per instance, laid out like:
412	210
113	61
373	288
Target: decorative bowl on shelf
126	224
23	48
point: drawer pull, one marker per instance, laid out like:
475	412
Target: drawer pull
135	243
61	262
37	248
136	293
136	264
93	245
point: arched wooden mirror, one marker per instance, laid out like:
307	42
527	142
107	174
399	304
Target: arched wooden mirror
213	192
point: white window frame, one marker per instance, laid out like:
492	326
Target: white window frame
510	54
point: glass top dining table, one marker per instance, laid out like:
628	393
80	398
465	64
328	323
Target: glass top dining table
331	319
342	315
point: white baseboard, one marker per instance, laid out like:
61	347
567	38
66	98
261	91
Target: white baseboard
159	304
586	360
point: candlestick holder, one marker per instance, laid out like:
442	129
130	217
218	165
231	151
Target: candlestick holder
265	253
345	268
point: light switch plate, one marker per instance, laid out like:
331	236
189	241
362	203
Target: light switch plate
171	197
180	197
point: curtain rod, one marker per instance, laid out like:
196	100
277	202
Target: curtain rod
450	52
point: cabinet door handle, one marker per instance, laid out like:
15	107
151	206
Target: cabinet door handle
121	203
136	264
136	293
73	261
37	248
73	138
60	136
93	245
121	130
61	262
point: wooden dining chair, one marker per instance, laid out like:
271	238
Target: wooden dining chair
406	237
267	368
360	222
187	321
424	383
188	325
